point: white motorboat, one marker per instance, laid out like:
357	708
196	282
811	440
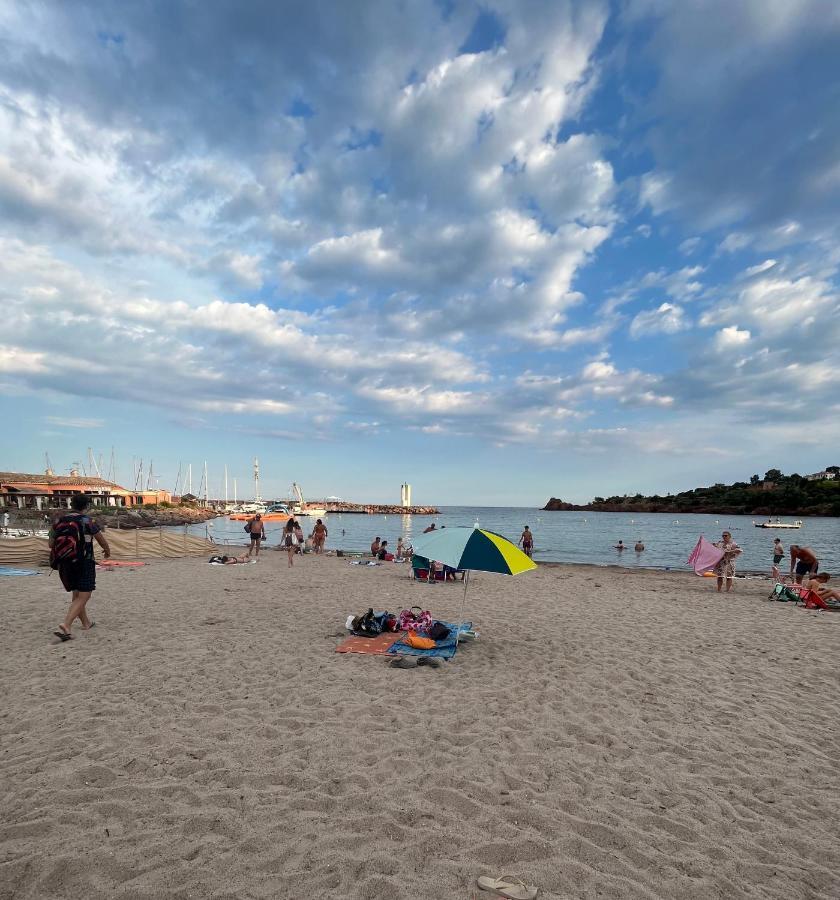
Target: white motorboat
299	507
777	524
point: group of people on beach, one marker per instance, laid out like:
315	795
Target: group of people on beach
804	563
292	539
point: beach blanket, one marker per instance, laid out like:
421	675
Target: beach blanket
375	645
8	570
445	649
704	556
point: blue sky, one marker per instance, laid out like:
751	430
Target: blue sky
503	251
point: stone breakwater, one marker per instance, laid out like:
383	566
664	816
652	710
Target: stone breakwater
375	509
134	517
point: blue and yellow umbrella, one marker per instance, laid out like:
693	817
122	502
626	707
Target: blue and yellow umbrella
473	550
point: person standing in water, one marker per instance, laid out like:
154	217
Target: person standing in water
619	546
526	540
639	548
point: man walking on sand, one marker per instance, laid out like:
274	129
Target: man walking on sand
526	540
257	531
78	574
805	560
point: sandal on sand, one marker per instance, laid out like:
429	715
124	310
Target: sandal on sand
433	661
63	634
404	662
507	886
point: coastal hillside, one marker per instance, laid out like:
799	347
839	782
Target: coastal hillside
775	494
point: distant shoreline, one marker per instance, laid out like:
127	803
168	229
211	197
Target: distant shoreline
555	505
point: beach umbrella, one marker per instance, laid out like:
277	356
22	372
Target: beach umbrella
472	549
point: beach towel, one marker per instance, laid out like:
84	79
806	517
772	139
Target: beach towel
444	649
373	645
8	570
704	556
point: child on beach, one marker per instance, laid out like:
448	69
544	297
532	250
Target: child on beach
778	556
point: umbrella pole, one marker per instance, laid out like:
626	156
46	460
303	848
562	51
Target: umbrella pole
463	604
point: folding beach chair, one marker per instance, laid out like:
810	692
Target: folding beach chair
814	601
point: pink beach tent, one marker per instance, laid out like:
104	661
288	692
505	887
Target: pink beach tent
704	556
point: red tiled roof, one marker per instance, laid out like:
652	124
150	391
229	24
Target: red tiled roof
35	481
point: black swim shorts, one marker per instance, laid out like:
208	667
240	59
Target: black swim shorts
256	536
78	576
803	568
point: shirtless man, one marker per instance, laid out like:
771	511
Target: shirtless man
639	548
619	546
526	539
805	561
374	546
430	528
256	528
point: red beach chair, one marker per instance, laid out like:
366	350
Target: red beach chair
814	601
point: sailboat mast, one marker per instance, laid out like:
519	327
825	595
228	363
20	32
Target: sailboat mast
205	482
257	497
226	485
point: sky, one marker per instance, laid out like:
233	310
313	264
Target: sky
503	251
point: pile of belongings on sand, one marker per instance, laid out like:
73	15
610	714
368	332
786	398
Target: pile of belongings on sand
415	635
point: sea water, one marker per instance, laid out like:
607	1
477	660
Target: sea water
574	537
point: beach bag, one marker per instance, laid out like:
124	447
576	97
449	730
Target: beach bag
248	528
68	541
419	643
439	632
367	624
415	619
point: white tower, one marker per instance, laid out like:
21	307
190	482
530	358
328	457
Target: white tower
405	494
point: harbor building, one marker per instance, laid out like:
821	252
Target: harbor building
22	491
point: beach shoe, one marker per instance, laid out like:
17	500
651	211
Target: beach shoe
404	662
434	662
507	886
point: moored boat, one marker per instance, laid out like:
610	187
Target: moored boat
777	524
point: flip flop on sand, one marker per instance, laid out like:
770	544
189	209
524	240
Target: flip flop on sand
404	662
63	634
507	886
433	661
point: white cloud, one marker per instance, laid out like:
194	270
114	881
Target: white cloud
690	245
760	267
665	319
731	337
66	422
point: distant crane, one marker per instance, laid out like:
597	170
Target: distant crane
49	464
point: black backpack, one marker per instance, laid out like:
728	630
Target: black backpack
68	542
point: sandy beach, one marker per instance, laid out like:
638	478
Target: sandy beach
611	734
